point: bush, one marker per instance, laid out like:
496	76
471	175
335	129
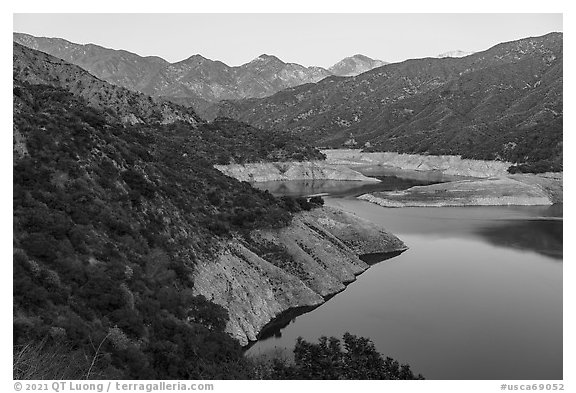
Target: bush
317	200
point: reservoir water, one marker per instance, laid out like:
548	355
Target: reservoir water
478	295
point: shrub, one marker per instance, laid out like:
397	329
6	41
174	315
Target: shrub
317	200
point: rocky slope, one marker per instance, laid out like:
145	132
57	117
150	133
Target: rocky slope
255	287
503	103
283	171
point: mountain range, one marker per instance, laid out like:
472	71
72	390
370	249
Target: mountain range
196	81
502	103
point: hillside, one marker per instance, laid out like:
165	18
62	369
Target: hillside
119	67
196	81
119	103
110	220
503	103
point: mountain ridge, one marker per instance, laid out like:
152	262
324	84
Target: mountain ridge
195	81
491	105
37	67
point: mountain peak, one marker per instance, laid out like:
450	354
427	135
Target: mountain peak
196	58
267	58
360	57
355	65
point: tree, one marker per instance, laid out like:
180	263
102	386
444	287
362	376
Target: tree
354	358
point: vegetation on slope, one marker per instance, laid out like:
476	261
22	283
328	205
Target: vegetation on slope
108	223
501	104
117	103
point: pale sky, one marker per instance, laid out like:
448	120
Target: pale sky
307	39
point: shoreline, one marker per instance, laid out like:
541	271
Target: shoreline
501	191
292	170
259	278
283	319
445	164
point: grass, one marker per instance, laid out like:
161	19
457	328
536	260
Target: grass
55	361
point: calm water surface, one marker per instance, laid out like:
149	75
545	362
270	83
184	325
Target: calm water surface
477	296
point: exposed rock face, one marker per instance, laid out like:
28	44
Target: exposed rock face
319	255
282	171
448	165
484	192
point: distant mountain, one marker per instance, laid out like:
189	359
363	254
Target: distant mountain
195	82
197	79
454	53
502	103
355	65
37	67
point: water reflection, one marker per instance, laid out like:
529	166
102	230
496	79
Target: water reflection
340	188
541	236
478	295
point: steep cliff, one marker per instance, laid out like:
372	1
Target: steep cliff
292	267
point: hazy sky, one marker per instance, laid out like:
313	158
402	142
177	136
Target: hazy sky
308	39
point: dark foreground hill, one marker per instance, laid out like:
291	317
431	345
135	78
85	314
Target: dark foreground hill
110	218
503	103
110	221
